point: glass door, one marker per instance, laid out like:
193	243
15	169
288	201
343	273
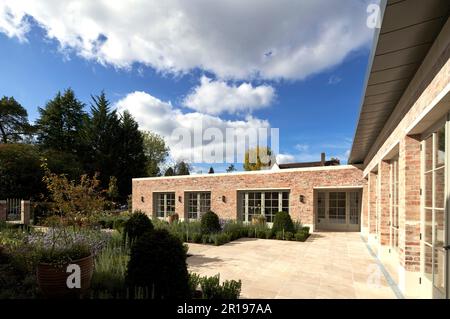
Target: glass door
435	262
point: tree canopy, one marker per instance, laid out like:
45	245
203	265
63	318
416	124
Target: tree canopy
13	120
257	158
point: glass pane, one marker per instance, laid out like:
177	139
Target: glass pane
439	231
428	262
440	147
428	236
429	153
428	189
439	270
321	205
439	188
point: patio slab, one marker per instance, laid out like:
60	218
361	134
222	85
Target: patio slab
327	265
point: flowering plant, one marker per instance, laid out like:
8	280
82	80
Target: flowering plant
59	246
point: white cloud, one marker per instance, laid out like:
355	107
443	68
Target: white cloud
216	97
302	147
334	79
163	118
285	158
269	39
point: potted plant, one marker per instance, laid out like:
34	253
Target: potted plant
173	218
56	250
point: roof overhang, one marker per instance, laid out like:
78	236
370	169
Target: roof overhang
408	30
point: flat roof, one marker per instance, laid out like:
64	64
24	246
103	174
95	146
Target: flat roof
408	30
282	171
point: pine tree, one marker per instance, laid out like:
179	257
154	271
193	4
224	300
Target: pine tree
169	172
60	123
182	168
211	170
13	120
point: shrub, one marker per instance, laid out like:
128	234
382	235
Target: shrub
279	235
136	226
205	239
283	222
212	289
301	236
222	238
269	234
197	238
158	264
305	229
210	223
288	235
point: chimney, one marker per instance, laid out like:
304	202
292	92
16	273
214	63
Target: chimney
322	159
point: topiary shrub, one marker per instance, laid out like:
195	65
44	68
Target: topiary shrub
283	222
210	223
279	235
301	236
158	265
136	226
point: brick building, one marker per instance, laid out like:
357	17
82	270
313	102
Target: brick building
395	188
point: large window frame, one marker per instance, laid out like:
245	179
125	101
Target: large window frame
164	204
264	202
434	212
197	203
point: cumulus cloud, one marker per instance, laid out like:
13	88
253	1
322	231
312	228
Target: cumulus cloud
163	118
285	158
215	97
269	39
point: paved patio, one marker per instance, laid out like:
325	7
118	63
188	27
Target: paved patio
327	265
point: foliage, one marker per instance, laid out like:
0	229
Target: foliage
259	219
283	222
288	235
182	168
108	279
211	170
301	236
60	123
169	172
112	220
212	289
158	263
137	226
210	223
13	120
59	246
231	168
257	158
20	171
156	152
76	202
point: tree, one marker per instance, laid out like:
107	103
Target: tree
77	202
20	171
169	172
156	152
61	122
257	158
113	191
231	168
182	168
100	139
211	170
131	158
13	120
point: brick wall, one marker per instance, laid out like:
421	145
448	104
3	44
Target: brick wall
299	181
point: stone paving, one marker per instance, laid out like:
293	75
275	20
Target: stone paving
327	265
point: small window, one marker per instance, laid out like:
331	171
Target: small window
267	203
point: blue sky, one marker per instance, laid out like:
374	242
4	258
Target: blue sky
314	100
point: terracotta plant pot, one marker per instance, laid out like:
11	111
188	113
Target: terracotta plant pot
52	280
173	218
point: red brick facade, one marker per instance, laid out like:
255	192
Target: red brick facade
297	181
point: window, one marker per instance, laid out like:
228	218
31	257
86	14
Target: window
394	204
165	204
267	203
354	207
321	205
198	203
434	208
